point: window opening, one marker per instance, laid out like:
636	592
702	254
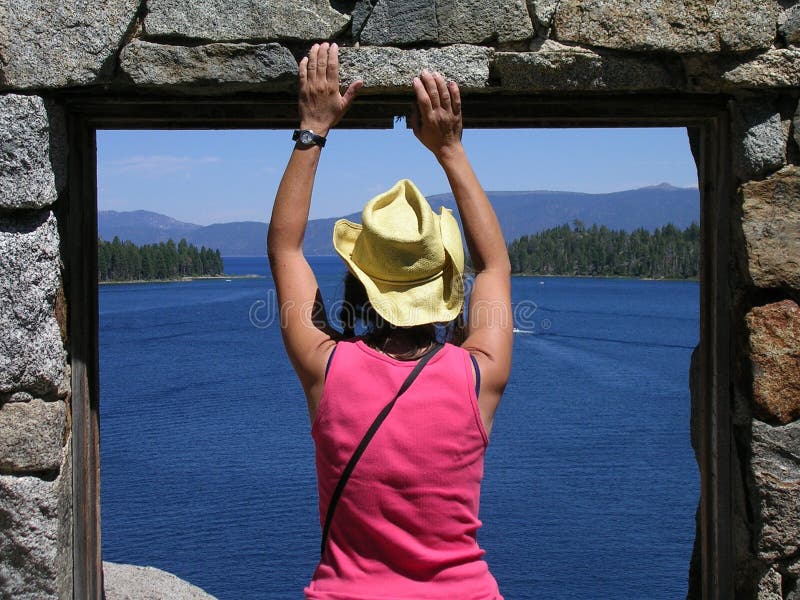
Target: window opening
207	465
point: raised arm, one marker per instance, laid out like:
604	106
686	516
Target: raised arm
438	125
304	326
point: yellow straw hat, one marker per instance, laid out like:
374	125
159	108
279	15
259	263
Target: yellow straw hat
410	259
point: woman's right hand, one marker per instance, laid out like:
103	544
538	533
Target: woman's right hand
436	120
320	104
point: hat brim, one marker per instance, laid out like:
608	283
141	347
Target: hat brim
436	300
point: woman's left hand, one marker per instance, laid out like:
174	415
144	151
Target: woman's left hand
320	104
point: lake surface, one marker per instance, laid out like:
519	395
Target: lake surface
207	461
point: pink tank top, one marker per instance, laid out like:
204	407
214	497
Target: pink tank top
406	522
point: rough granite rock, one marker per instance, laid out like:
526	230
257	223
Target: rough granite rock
775	468
27	175
31	435
129	582
358	18
481	21
776	68
47	43
544	11
398	22
36	535
792	588
679	26
212	68
769	585
773	69
771	225
759	139
239	20
558	67
32	356
403	22
392	69
774	332
789	25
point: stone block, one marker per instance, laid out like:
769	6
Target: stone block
775	468
212	68
32	356
398	22
36	535
789	25
392	69
479	21
51	44
31	435
30	157
759	140
775	69
678	26
771	226
242	20
774	332
769	585
404	22
125	582
544	11
358	18
555	67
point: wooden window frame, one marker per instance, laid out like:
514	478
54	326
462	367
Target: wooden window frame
706	116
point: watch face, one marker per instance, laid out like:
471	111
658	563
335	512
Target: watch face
306	137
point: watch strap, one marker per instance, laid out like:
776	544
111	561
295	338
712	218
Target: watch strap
317	140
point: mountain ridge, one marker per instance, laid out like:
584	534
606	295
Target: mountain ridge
519	212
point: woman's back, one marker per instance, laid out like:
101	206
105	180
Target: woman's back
405	525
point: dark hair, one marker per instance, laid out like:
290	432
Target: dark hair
356	312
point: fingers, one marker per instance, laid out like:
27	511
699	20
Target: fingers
441	90
317	66
423	100
429	82
311	64
303	71
434	92
333	63
455	97
322	61
351	93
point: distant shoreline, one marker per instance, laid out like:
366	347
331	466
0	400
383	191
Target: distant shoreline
180	279
609	277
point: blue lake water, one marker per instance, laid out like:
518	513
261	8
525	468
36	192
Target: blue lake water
207	462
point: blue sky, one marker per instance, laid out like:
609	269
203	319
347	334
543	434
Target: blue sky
214	176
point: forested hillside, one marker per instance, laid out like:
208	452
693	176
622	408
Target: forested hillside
519	213
125	261
667	252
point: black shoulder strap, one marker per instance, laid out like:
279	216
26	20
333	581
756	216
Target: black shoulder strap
366	440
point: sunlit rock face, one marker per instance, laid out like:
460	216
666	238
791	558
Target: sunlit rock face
771	225
129	581
238	20
51	43
774	333
679	26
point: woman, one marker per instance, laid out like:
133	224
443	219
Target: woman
406	520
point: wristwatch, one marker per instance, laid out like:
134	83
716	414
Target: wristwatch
308	138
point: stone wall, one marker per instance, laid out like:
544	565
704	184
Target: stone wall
747	50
